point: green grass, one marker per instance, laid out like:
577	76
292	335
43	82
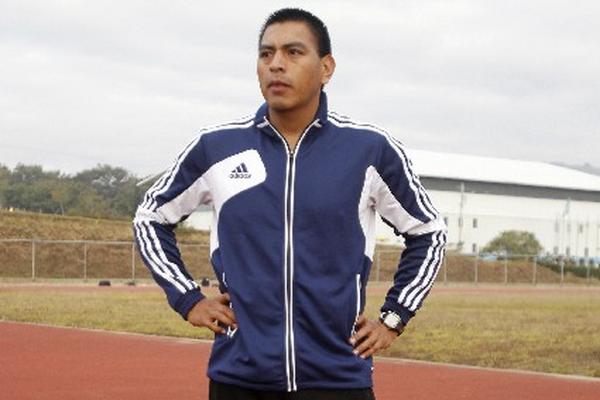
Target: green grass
551	330
139	311
546	331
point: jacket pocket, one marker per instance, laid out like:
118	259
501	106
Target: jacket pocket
358	289
224	288
223	280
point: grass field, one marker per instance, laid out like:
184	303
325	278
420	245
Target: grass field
29	225
541	329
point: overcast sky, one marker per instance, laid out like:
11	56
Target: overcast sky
128	83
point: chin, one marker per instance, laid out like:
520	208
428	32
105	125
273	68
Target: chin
279	105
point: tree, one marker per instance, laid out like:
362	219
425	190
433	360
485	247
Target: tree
115	186
89	203
64	193
103	191
514	243
4	177
107	181
29	187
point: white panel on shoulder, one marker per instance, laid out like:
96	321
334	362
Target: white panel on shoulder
218	184
230	177
184	204
233	175
391	209
366	212
214	233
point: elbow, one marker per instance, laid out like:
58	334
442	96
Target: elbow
143	214
431	227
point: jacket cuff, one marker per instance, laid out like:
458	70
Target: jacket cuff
187	301
404	313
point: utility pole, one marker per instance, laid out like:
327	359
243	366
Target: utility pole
461	222
565	221
586	251
598	238
559	231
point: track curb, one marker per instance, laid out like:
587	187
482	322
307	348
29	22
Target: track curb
379	359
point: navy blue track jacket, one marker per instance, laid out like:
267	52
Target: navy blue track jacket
292	242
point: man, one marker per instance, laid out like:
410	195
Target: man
295	190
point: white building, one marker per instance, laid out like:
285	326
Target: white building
481	196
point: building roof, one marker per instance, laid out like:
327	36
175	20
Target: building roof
501	170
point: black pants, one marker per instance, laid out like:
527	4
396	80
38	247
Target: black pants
221	391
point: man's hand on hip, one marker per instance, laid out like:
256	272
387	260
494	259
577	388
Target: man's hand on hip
209	312
370	337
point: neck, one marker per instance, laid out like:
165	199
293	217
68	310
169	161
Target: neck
291	123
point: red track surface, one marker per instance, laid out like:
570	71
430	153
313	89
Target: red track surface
41	362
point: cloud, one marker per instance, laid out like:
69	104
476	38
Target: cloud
129	83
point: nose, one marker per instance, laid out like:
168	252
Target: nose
277	62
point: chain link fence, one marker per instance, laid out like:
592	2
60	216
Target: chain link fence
88	260
33	259
487	269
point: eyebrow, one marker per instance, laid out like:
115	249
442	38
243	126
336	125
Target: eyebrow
285	46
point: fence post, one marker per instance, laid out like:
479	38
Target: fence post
506	269
33	259
85	261
378	261
534	270
133	261
476	268
562	272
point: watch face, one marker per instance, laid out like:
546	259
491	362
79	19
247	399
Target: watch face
392	320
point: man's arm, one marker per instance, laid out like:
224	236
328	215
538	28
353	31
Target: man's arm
170	200
403	203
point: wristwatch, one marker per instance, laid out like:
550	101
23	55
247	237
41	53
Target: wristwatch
392	321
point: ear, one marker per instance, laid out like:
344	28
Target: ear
327	68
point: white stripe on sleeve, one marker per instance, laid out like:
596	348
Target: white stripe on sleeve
165	261
422	270
144	243
431	278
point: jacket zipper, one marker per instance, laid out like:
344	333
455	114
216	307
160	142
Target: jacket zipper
290	352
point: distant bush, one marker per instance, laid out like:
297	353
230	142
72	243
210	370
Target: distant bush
576	267
514	243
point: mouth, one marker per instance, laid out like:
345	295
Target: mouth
278	84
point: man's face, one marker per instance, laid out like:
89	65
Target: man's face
290	71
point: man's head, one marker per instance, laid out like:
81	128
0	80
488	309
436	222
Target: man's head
294	59
316	26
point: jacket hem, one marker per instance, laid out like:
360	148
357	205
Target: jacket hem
282	387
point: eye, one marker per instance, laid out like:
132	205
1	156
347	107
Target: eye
295	51
264	53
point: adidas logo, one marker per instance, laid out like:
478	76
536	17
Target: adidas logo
240	172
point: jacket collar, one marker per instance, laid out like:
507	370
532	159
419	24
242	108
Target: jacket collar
262	114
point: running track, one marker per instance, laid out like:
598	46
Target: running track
51	363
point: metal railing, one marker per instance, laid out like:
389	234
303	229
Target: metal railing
87	259
479	268
34	259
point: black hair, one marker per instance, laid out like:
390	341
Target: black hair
316	26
